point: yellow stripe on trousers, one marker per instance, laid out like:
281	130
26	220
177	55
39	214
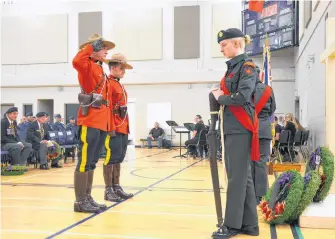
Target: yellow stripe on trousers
108	150
83	138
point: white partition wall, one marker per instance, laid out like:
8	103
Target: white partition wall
139	34
37	38
220	21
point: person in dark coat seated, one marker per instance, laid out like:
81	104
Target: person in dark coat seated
18	151
38	136
29	119
199	126
58	125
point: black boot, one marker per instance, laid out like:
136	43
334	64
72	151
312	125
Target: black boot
80	186
116	183
110	195
119	191
88	192
225	232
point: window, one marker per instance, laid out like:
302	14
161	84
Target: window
27	109
4	108
307	12
71	110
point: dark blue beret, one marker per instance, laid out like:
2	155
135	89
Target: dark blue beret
71	118
58	116
229	34
11	110
41	114
29	114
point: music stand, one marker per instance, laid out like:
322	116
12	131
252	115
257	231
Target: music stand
180	130
171	123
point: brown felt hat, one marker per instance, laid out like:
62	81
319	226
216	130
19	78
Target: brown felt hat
110	45
120	59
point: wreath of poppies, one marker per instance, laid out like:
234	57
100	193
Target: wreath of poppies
322	161
312	182
12	170
283	198
54	152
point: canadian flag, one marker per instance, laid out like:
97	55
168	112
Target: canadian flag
256	6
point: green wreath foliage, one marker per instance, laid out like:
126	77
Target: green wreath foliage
293	197
327	163
311	186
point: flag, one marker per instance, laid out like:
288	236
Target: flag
266	73
256	6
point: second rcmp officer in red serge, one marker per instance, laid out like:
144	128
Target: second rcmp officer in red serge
240	125
116	145
93	118
265	107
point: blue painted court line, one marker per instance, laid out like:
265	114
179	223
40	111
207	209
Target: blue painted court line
115	204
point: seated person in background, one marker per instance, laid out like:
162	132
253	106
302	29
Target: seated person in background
58	125
156	133
199	126
278	129
47	122
297	124
24	125
18	151
38	136
289	125
72	125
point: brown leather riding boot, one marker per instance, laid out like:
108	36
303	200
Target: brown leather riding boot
116	183
89	189
80	186
110	195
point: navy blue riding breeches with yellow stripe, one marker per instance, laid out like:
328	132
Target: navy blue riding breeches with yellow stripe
90	144
116	148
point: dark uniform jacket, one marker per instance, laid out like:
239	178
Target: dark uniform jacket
241	81
57	126
8	132
264	115
34	134
24	126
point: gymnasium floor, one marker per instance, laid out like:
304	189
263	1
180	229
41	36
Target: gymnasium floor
173	199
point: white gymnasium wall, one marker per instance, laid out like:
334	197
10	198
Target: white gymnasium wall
310	73
30	36
186	100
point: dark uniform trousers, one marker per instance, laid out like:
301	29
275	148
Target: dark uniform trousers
18	154
116	149
259	169
241	200
90	143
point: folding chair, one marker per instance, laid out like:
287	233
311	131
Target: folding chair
297	143
284	143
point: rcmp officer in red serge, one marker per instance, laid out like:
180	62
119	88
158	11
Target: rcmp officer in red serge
93	118
265	107
116	145
240	127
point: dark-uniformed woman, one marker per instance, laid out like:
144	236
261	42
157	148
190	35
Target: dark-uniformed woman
240	129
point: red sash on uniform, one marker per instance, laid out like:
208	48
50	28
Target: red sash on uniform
264	98
242	116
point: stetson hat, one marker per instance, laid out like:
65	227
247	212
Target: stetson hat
95	37
120	59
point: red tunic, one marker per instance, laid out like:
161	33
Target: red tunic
90	75
119	97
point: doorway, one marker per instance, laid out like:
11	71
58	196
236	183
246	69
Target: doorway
46	106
